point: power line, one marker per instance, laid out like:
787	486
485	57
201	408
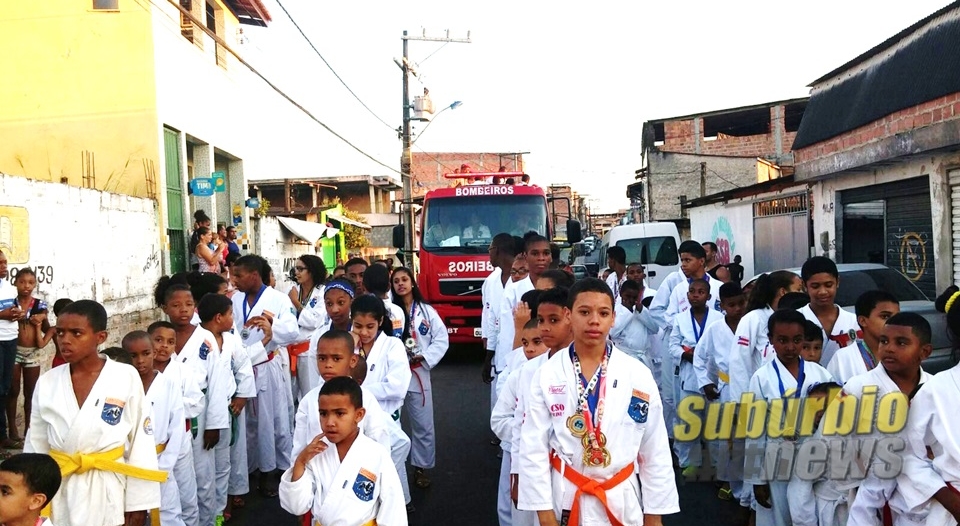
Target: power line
220	42
735	185
335	74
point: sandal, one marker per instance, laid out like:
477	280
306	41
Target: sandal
420	479
238	502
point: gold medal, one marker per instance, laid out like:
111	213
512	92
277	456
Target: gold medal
577	425
596	457
588	441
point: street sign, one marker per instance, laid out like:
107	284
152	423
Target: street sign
219	182
201	187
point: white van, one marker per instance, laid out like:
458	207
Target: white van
653	245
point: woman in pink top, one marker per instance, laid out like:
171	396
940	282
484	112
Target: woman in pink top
209	258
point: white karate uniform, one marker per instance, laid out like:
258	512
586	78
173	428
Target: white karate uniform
166	403
636	440
515	360
872	492
114	415
511	298
614	282
362	488
846	330
194	403
200	356
395	313
932	422
817	503
847	363
492	295
269	432
312	317
766	385
632	331
678	297
750	350
660	343
232	454
375	424
430	334
684	334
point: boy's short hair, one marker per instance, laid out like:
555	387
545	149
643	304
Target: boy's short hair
118	354
556	296
617	254
793	301
730	290
701	281
505	244
812	332
558	277
818	265
133	336
355	261
917	323
870	299
589	285
693	248
59	305
40	473
532	299
162	324
337	336
630	285
785	317
343	385
232	258
251	263
211	305
359	371
95	314
823	388
532	324
376	279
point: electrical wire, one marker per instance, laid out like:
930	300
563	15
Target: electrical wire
335	74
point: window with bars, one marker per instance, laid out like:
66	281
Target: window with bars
792	204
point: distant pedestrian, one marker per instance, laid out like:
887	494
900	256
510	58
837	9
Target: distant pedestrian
713	267
232	246
736	269
200	219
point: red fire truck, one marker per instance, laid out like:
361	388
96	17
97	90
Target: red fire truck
456	226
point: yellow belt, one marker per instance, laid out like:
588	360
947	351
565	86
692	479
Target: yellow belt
71	463
724	376
372	522
161	448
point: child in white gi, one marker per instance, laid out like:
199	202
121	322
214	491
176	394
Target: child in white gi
821	279
635	326
166	402
30	481
873	309
711	366
567	441
342	476
423	328
785	376
688	328
95	408
307	298
236	448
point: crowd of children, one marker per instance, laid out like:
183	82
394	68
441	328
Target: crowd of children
594	387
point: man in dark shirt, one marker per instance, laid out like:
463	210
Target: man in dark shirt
736	270
232	247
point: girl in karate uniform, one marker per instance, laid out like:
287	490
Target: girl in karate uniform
424	329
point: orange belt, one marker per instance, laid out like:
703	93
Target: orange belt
592	487
295	350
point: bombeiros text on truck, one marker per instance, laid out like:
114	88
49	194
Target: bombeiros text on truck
455	227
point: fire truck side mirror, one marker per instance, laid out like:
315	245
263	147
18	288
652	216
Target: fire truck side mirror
398	237
573	231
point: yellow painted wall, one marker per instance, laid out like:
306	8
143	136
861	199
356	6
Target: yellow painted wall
79	80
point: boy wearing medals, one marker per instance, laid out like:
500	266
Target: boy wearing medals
594	420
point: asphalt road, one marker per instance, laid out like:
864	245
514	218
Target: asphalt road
465	480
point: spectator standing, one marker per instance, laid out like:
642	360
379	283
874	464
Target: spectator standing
736	269
10	314
232	247
200	219
208	257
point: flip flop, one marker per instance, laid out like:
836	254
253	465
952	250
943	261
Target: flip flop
420	479
238	502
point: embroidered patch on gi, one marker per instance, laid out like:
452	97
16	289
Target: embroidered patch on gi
639	406
423	329
204	350
313	302
364	485
558	389
112	411
148	426
294	311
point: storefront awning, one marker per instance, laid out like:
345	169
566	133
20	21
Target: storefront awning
307	231
346	221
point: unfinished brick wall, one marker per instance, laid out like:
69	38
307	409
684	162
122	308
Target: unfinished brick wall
428	168
945	108
684	137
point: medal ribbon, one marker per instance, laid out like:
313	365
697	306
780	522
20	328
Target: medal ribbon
248	309
800	378
702	326
585	389
868	357
413	315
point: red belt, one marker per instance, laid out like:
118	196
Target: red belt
296	350
592	487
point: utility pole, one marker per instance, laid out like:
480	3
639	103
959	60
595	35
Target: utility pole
406	158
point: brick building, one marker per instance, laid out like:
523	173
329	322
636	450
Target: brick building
428	169
880	141
696	155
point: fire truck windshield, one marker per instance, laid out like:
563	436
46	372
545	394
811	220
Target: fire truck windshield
467	224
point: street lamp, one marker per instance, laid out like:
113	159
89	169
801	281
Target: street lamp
456	104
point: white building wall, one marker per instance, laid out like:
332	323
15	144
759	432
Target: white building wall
827	208
84	244
278	246
730	226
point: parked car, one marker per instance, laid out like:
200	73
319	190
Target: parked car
580	271
857	278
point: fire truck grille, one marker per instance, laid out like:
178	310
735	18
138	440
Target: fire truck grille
461	287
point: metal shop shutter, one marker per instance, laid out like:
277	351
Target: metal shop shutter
917	185
954	177
910	240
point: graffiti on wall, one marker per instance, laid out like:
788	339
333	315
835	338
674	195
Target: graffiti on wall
722	235
913	254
